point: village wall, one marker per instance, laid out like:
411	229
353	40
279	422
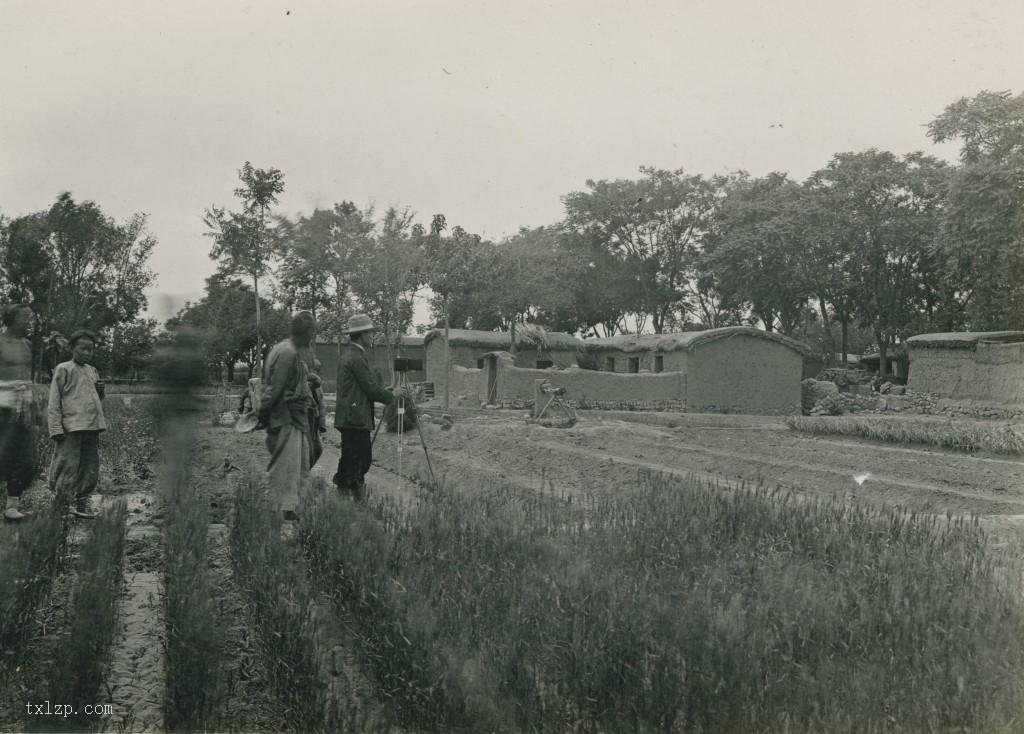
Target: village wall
672	361
590	386
993	373
468	382
940	371
744	375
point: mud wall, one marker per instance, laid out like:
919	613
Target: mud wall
673	361
516	383
994	373
467	356
943	372
744	374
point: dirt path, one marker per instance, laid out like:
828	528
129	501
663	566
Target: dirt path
136	678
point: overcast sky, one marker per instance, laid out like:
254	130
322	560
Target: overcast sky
486	111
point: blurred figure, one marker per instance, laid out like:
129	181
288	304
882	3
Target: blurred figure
17	409
285	408
317	420
358	389
75	418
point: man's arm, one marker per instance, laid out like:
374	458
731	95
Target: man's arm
368	383
280	371
53	408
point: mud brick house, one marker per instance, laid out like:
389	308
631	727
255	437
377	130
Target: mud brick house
738	368
469	347
983	366
410	347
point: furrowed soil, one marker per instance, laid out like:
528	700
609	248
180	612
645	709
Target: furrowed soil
606	450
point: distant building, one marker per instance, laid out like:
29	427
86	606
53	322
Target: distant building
736	368
410	347
983	366
468	348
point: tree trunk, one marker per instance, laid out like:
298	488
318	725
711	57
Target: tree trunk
447	357
259	333
230	367
883	353
844	322
830	342
512	332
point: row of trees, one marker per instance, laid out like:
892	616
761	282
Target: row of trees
79	268
873	243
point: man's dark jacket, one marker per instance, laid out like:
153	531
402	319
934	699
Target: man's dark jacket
357	388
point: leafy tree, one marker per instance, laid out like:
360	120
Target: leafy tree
319	261
887	212
983	223
222	319
242	243
77	267
757	249
601	289
654	225
460	271
388	274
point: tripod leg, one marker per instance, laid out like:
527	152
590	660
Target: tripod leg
430	468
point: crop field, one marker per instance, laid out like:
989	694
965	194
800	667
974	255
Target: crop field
635	572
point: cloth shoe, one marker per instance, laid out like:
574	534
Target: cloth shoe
82	510
13	514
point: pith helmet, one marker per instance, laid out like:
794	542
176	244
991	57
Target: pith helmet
359	322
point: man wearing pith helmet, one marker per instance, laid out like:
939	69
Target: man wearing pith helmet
358	389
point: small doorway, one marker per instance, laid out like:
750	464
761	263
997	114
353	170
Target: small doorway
634	364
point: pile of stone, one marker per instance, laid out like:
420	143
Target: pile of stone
819	397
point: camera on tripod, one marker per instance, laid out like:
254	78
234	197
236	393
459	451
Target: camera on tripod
401	364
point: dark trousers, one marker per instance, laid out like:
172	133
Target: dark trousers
356	457
17	452
75	466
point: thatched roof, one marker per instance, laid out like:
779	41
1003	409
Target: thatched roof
688	340
498	340
409	340
963	339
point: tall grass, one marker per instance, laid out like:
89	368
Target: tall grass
997	438
85	645
30	559
676	605
283	610
196	679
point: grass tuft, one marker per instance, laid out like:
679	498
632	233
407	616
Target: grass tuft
973	436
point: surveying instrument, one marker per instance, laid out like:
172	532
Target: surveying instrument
401	369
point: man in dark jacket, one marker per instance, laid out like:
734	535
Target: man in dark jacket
358	388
